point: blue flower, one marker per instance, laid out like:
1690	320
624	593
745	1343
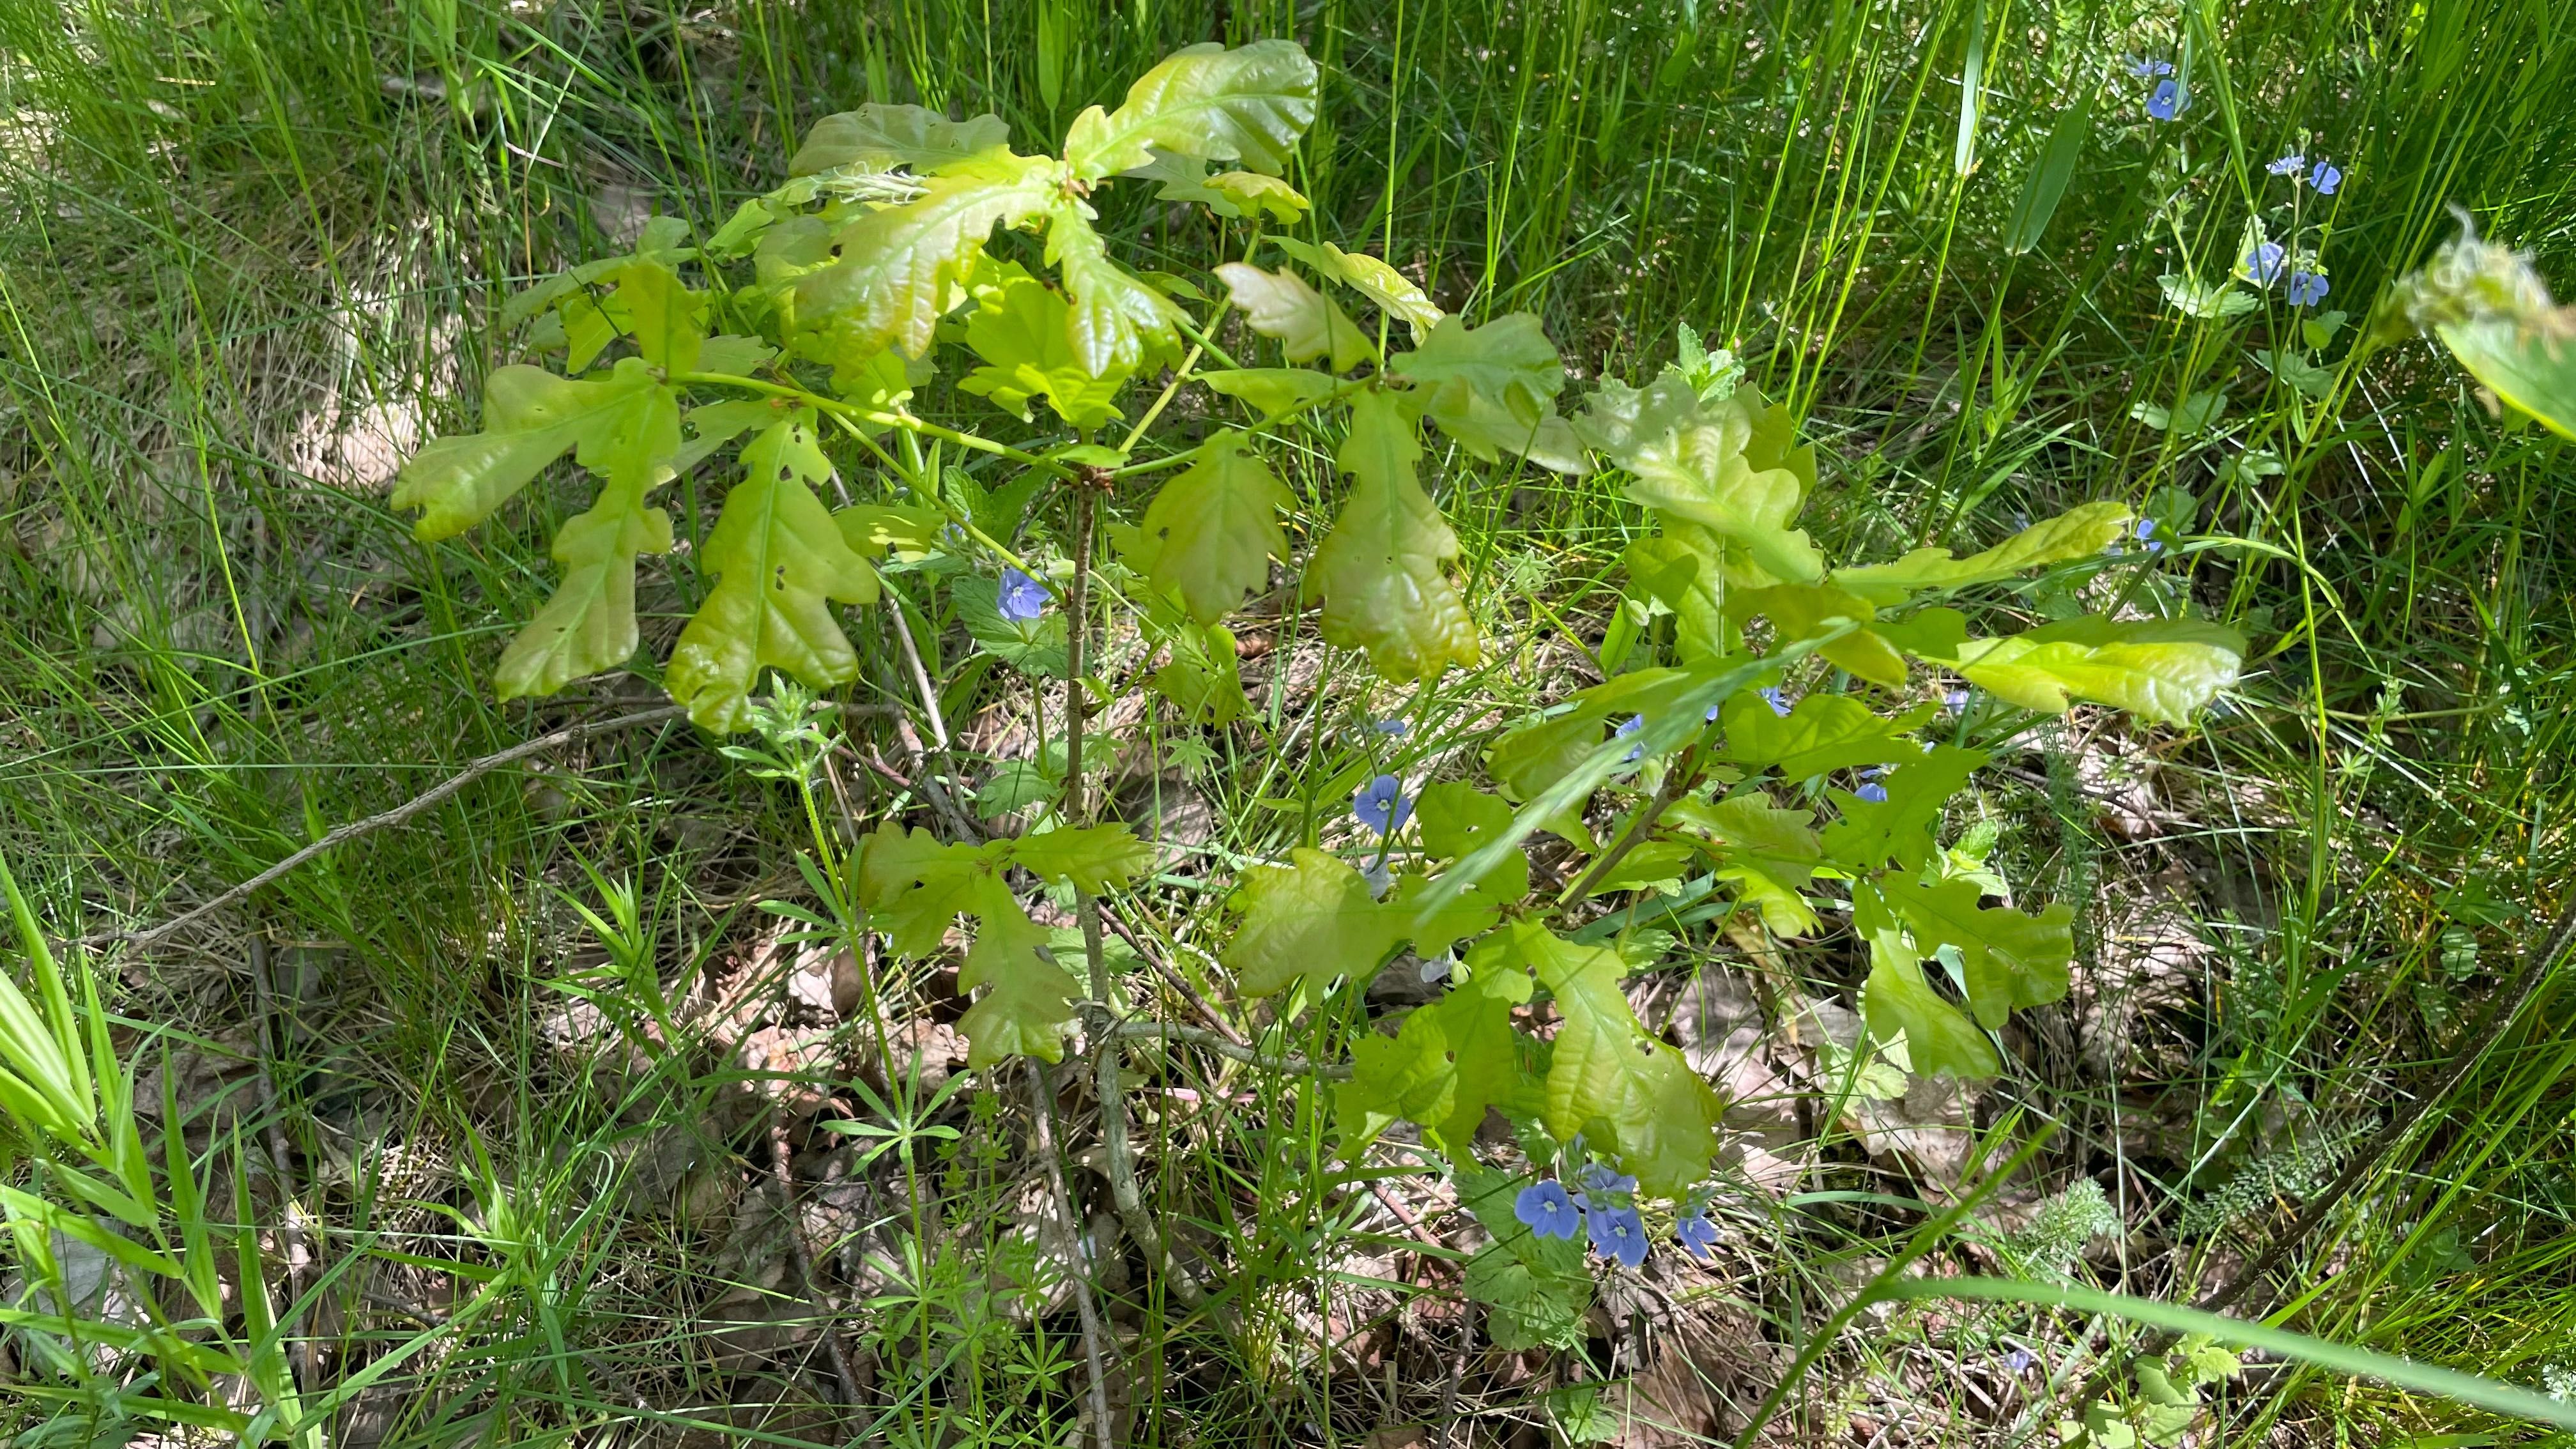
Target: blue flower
1395	727
1618	1233
2168	100
2289	165
1697	1235
1380	805
1547	1210
2148	67
1021	599
2265	262
1712	714
1627	727
1872	791
2147	536
2325	177
1599	1178
1955	701
2307	289
2018	1361
1772	696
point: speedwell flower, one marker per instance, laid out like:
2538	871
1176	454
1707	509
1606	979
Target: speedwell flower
1618	1233
2307	289
2168	101
1021	598
2289	165
2325	177
1548	1210
1380	805
2264	263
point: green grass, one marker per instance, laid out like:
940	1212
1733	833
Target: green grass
234	228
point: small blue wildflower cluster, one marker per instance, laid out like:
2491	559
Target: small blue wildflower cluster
2268	262
2168	99
1606	1210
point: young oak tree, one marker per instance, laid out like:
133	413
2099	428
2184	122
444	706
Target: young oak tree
810	324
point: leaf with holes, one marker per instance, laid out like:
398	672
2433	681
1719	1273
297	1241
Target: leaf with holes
530	418
1380	571
1211	532
1249	104
1899	1000
779	562
1456	817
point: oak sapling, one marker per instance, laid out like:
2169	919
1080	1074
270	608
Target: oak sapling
1762	737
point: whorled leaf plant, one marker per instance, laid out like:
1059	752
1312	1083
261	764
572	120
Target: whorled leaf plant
803	330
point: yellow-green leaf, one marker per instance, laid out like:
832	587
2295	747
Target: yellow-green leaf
1624	1090
1900	829
1380	571
1093	858
1231	194
2077	533
1117	318
1273	390
1450	1061
1768	854
1823	732
589	623
1020	329
1306	322
915	887
1211	532
1249	104
1455	818
1308	921
779	562
1204	678
2011	959
1027	1005
878	137
2528	362
530	416
1939	1038
2162	669
1728	466
900	266
1508	362
1393	292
